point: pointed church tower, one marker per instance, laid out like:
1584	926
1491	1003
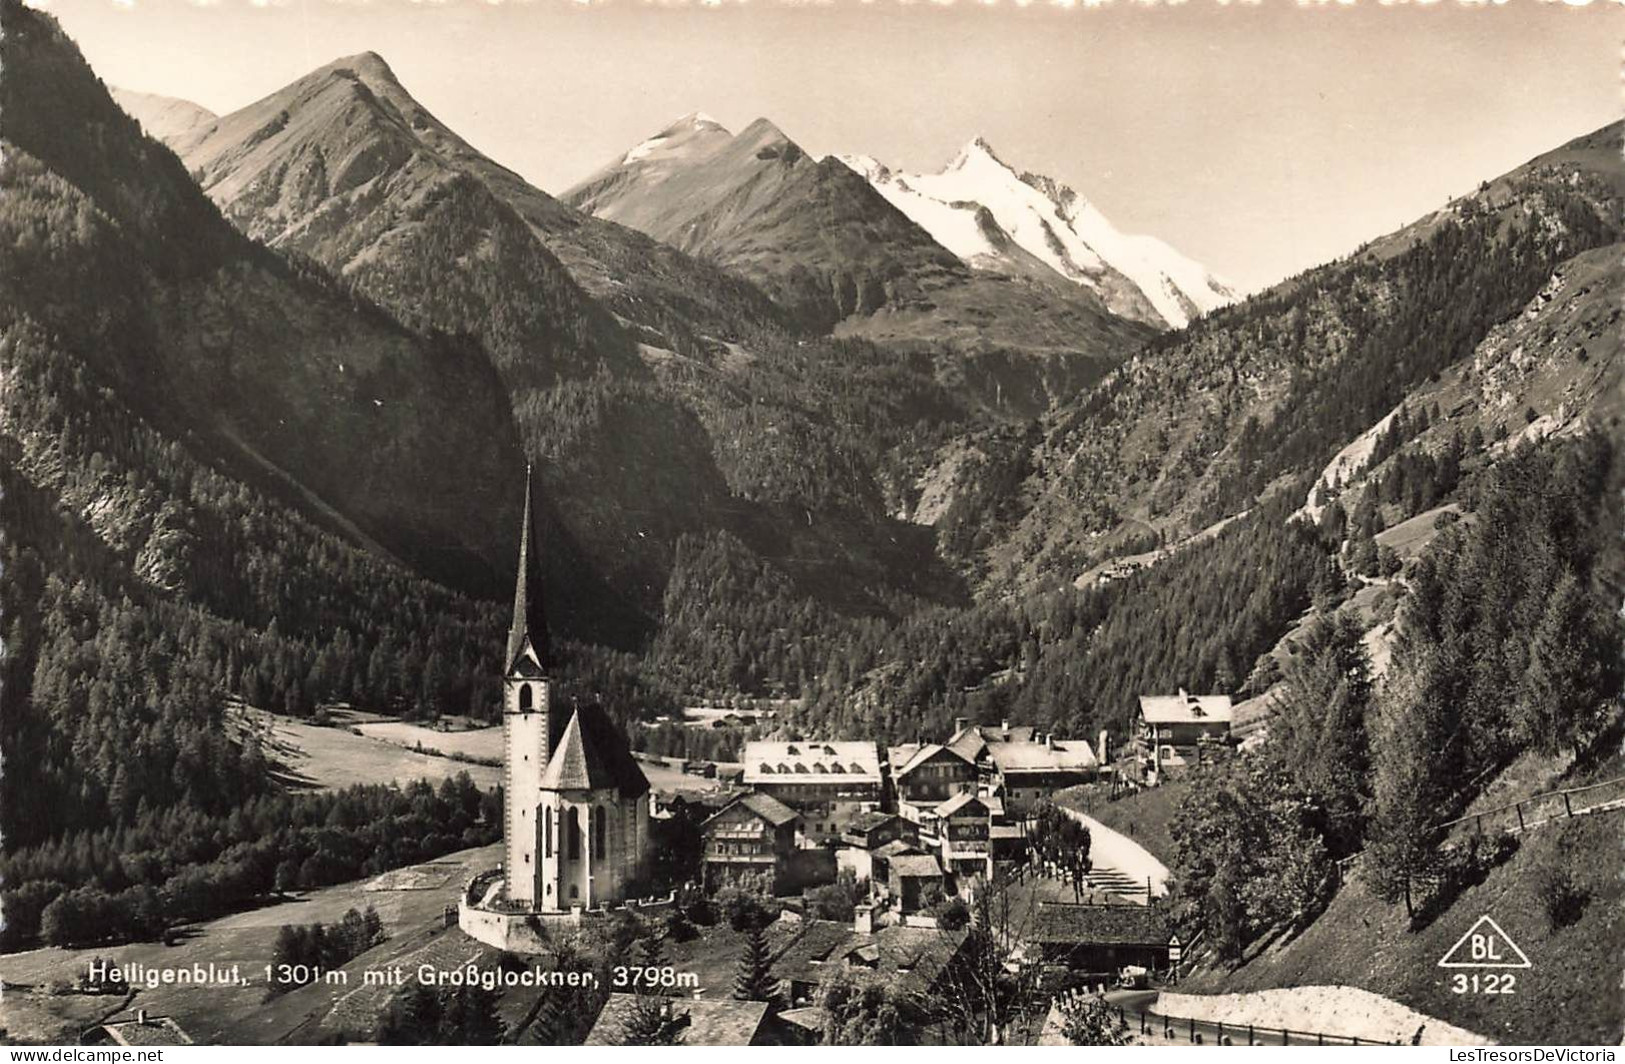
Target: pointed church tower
526	717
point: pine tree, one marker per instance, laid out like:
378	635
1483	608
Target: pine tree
1573	667
653	1021
755	980
1421	757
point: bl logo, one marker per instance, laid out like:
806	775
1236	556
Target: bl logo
1485	945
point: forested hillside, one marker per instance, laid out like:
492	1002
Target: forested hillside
216	466
1204	421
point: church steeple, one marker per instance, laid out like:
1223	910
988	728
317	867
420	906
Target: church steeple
529	628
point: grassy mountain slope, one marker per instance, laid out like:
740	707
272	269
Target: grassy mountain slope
162	117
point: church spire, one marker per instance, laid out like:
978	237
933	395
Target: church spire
529	620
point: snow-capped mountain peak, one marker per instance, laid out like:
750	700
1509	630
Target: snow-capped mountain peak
995	217
696	126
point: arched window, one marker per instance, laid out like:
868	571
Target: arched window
575	891
525	698
573	830
547	842
599	815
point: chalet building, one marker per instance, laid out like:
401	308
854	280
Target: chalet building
829	784
576	816
1177	732
964	832
870	831
752	837
1102	938
929	773
918	961
1022	765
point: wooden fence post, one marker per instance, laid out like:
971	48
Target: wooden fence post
1519	808
1568	810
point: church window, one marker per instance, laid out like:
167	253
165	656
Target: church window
573	830
599	815
575	891
547	842
525	698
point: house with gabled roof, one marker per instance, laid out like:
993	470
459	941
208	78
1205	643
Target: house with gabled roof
1021	765
828	783
1102	938
928	773
753	837
1177	732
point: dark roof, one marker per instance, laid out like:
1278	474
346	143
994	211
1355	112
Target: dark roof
819	942
896	847
869	820
916	866
913	957
529	626
711	1021
1100	925
591	755
765	806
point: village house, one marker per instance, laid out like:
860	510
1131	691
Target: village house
1102	939
829	783
915	881
964	831
1022	765
867	836
752	837
1177	732
929	773
915	960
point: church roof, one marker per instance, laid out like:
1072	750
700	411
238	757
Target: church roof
591	755
529	626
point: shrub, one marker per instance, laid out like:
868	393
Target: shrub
1562	899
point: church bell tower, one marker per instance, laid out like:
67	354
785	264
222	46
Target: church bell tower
526	718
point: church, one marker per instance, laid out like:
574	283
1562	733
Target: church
576	804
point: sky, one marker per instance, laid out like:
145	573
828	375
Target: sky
1258	138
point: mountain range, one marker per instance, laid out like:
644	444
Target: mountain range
720	350
999	219
830	248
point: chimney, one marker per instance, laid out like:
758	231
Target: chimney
1104	760
141	1017
960	723
1049	740
863	919
1007	729
1184	696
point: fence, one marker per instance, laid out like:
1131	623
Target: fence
1539	809
1198	1032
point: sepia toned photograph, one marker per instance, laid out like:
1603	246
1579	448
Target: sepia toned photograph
812	523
